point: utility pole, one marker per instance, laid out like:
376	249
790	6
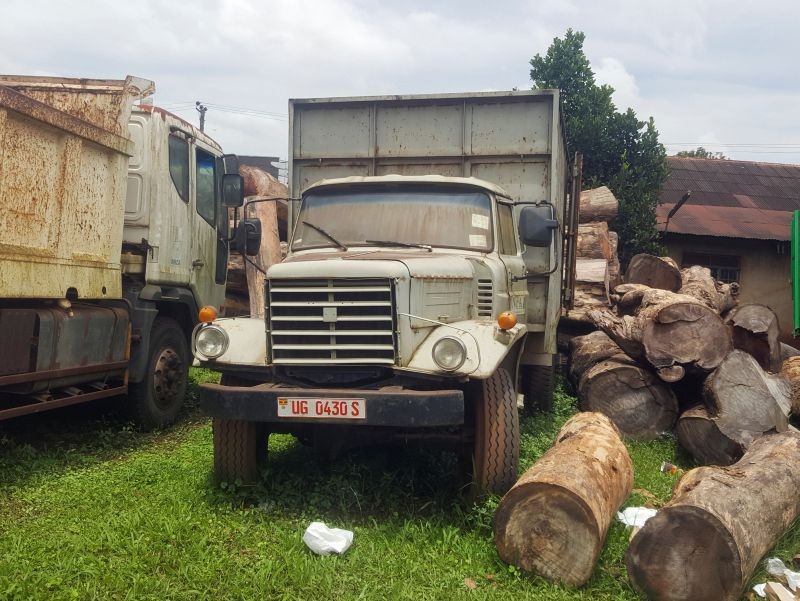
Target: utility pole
201	108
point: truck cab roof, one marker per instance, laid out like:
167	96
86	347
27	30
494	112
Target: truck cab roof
472	182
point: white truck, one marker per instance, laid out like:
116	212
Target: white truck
422	288
113	233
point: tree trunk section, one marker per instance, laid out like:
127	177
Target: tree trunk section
259	184
598	204
669	329
655	272
706	542
614	269
745	401
697	282
591	288
593	241
791	371
755	330
554	520
639	404
699	434
586	351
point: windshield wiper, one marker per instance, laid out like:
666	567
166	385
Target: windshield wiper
427	247
326	234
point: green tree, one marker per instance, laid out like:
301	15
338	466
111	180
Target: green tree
619	150
701	153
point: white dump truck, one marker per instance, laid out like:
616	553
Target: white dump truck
113	233
421	290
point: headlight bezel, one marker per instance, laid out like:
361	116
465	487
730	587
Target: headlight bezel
208	328
447	340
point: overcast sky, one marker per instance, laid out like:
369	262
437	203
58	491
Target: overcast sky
716	73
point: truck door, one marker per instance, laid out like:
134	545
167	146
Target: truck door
207	285
511	257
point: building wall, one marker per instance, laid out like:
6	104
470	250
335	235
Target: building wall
764	270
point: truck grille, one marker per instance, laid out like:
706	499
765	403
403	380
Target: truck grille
317	322
485	298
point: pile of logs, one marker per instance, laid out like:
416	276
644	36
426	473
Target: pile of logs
676	351
597	269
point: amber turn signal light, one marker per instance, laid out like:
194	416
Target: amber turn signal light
506	320
207	314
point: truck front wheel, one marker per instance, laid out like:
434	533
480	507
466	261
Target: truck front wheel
538	387
240	448
495	455
157	399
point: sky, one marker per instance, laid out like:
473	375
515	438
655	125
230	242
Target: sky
719	74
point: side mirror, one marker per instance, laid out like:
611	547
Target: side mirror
247	237
536	225
232	190
231	162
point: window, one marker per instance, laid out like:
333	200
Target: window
179	165
505	224
206	186
725	268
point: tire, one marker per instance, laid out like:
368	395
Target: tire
538	386
495	455
240	449
156	400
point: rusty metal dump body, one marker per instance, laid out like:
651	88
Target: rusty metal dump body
64	151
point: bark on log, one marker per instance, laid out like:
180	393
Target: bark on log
755	330
699	434
788	351
656	272
669	329
261	184
554	520
706	542
745	401
614	269
598	204
591	288
586	351
593	241
791	371
639	404
697	282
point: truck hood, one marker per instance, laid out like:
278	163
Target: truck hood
422	265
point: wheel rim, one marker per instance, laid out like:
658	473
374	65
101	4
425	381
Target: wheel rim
167	377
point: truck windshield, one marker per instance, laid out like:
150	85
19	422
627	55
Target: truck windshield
408	216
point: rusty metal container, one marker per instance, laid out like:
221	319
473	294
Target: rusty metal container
64	151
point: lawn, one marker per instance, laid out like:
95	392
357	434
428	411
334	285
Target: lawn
92	509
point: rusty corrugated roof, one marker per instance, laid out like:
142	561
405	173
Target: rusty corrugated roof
735	199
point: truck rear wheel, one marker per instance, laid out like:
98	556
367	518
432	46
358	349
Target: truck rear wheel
538	387
157	399
240	448
495	455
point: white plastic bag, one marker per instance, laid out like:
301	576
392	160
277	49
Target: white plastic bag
775	567
324	541
635	516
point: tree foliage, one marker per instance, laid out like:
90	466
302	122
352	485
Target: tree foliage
619	150
701	153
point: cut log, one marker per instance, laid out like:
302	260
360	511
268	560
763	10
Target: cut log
598	204
591	288
699	434
756	331
707	541
554	520
746	401
697	282
593	241
788	351
669	329
614	269
628	297
791	371
260	185
655	272
640	405
586	351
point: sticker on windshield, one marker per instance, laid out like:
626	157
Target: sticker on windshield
480	221
477	240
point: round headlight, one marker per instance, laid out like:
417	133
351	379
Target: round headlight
449	353
211	342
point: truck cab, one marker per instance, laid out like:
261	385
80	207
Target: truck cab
409	307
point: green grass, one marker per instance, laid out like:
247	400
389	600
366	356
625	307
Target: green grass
92	509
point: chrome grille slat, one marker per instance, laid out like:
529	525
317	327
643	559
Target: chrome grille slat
329	321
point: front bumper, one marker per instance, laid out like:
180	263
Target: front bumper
396	408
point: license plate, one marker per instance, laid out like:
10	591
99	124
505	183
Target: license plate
306	407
